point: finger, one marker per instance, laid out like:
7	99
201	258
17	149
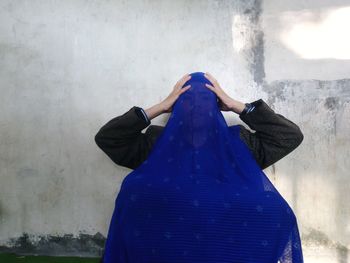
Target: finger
211	78
186	76
210	87
210	75
183	80
184	89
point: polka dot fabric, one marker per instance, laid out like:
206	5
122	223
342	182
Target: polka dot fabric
200	196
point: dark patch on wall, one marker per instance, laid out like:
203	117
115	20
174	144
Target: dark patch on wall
334	92
257	67
67	245
275	91
317	237
253	11
331	103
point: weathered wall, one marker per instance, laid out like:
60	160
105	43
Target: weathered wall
67	67
307	78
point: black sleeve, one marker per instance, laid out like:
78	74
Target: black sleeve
275	136
122	138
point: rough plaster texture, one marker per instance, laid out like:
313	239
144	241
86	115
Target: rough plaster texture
67	67
307	79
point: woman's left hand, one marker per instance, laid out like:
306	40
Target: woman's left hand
226	103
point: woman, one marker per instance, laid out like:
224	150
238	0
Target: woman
198	192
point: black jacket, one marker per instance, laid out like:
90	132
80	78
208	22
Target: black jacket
274	136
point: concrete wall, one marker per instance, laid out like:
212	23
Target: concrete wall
67	67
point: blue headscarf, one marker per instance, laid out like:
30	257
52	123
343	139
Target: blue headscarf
200	196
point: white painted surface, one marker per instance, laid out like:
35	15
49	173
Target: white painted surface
68	67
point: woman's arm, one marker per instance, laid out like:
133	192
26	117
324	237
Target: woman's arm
122	139
275	136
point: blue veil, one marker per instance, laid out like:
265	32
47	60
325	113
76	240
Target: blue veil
200	196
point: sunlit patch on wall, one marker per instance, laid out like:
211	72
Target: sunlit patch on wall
238	36
315	34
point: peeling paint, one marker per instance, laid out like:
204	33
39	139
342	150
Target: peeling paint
66	245
319	238
332	92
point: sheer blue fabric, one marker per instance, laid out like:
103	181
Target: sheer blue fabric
200	196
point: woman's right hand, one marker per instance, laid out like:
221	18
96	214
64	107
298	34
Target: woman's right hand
166	105
168	102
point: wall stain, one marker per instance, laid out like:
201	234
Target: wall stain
332	103
252	10
335	91
83	245
319	238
